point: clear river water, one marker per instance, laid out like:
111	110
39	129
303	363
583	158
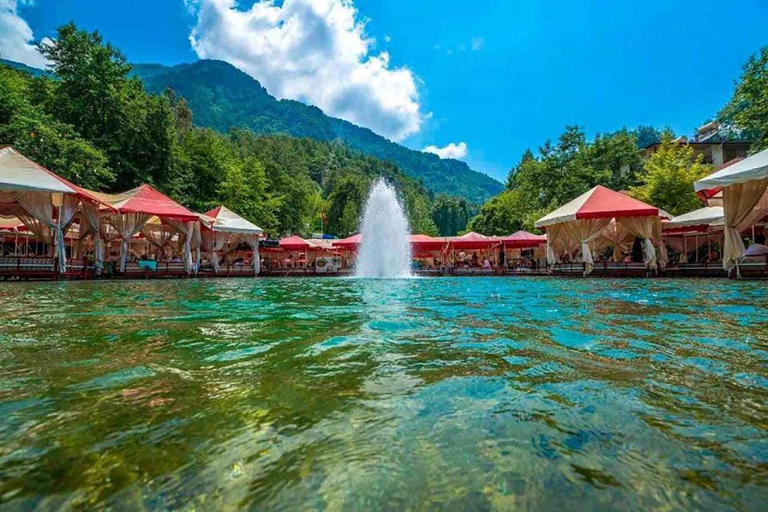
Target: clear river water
420	394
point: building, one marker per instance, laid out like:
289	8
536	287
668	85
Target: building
713	141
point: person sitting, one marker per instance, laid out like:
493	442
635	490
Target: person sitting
462	259
487	264
713	256
176	259
627	258
475	260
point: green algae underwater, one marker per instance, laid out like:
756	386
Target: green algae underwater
420	394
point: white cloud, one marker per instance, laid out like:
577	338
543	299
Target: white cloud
387	38
314	51
478	43
452	150
16	36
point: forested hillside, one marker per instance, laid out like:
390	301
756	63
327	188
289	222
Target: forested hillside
92	122
571	165
223	97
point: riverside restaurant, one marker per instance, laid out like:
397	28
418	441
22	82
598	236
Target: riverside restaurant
52	229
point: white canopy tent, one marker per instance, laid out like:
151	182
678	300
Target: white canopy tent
710	217
585	219
689	231
223	226
745	201
44	202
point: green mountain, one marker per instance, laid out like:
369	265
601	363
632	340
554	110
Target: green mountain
23	67
221	97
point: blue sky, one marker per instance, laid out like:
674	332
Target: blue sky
497	76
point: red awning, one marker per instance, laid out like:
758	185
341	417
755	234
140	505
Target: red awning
296	243
604	202
523	240
349	243
145	199
473	240
600	203
425	243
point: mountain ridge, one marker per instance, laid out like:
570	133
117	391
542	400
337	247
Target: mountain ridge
221	97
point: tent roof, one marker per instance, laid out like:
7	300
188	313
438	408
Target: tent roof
427	243
18	172
145	199
704	217
523	239
472	240
225	220
754	167
600	203
349	242
296	243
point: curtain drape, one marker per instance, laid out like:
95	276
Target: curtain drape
37	210
743	205
186	232
649	229
158	235
213	243
196	243
253	243
583	231
127	225
686	245
617	235
89	225
558	243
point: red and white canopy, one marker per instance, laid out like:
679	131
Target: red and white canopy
473	240
296	243
350	243
225	220
19	173
523	240
600	203
145	199
702	220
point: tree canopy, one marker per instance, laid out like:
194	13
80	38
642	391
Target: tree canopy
747	111
669	177
92	122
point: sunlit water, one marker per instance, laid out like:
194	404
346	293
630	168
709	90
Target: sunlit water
385	251
457	394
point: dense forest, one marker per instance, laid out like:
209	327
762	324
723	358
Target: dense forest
90	120
223	96
568	167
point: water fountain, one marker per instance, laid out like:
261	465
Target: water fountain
385	251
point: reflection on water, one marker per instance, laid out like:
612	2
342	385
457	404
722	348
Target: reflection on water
463	394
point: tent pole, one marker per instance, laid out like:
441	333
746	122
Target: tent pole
697	247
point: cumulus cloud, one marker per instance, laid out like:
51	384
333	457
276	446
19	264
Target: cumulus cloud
314	51
452	150
16	37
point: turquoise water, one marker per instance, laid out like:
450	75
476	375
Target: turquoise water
344	394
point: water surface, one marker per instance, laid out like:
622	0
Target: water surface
345	394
